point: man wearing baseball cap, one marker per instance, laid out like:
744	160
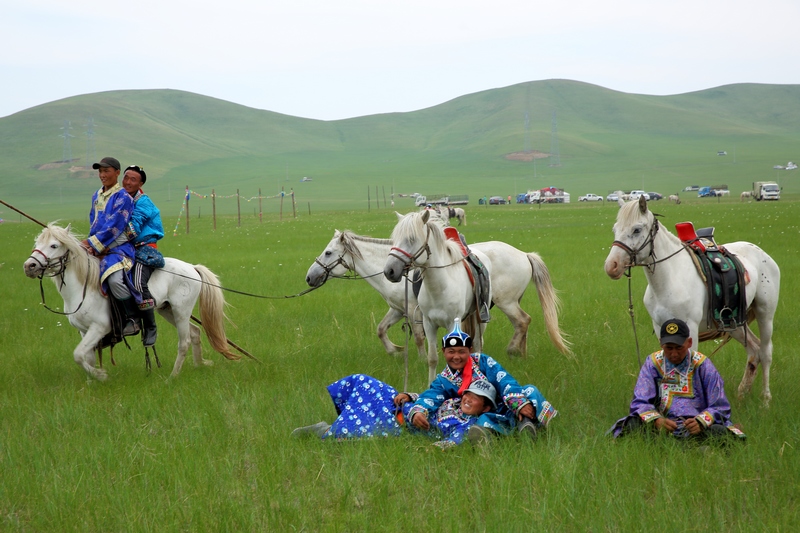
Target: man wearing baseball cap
109	215
679	391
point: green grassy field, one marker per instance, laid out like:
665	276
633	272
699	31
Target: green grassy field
211	451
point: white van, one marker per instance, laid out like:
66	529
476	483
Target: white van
634	195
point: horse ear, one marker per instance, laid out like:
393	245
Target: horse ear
336	233
425	216
399	216
69	226
642	204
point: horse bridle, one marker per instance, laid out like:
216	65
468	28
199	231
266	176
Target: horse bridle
329	268
633	253
61	263
409	260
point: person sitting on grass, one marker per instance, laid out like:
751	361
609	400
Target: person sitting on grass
679	392
519	408
368	407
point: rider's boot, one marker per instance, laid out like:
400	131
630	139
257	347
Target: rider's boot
148	326
131	319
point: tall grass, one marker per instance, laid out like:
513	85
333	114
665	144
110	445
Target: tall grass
211	451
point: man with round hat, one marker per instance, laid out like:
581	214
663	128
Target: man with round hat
111	209
519	408
144	230
679	391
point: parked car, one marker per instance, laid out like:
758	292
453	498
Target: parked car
590	198
655	196
497	200
691	188
613	197
634	195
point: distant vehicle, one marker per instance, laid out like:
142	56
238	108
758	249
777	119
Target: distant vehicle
722	152
497	200
613	197
691	188
705	192
634	195
590	198
655	196
766	190
441	199
790	166
306	179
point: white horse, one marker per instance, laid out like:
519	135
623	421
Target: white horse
674	198
746	194
447	293
58	254
453	212
675	289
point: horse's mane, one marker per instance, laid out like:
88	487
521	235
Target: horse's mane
411	229
83	269
348	239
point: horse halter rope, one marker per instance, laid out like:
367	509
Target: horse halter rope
409	260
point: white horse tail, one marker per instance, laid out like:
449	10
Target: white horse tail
549	302
212	312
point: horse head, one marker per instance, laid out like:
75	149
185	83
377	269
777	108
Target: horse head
336	260
410	236
50	252
634	232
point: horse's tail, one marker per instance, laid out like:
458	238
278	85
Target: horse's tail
212	312
548	298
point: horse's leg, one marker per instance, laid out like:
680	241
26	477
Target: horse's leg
431	331
765	355
197	347
392	317
419	337
752	347
184	339
84	353
518	345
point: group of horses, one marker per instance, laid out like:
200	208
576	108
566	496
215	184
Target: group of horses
419	248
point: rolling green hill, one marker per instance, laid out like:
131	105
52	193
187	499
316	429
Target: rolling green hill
605	140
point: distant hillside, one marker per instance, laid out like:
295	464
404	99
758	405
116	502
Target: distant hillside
478	144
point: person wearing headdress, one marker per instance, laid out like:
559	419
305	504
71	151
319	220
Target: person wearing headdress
368	407
679	392
108	218
519	408
144	230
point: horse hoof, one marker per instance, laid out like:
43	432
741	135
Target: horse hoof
207	362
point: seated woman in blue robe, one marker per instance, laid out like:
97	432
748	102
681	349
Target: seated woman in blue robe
368	407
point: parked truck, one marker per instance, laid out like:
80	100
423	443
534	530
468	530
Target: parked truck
441	199
766	190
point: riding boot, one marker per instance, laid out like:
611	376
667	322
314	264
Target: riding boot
148	327
131	319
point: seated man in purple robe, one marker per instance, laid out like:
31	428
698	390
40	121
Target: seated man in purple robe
679	391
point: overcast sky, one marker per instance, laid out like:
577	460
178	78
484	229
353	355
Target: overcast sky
332	59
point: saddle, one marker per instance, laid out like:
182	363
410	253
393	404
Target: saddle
723	274
476	270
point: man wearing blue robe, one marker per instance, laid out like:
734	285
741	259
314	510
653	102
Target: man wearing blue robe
109	215
519	408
